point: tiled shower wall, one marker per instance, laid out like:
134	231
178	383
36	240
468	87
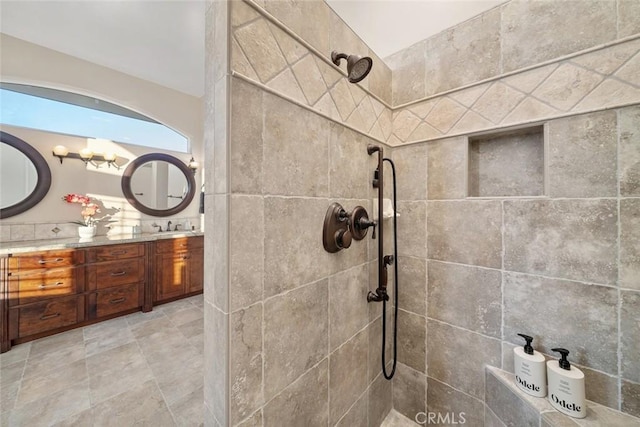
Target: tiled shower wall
303	344
563	267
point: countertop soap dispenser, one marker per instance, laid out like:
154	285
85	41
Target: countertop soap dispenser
528	365
566	386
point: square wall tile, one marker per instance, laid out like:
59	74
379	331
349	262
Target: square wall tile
454	237
347	375
576	316
380	401
447	167
443	399
465	296
629	147
246	145
412	330
412	236
412	276
408	72
305	402
246	250
245	354
583	156
630	243
457	357
411	171
296	335
629	333
296	150
571	239
293	251
348	306
409	391
349	173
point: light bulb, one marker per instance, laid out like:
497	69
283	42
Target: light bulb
60	150
110	157
86	153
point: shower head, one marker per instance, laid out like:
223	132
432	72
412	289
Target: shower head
357	67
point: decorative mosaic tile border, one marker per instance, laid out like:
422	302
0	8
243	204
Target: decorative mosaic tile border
265	52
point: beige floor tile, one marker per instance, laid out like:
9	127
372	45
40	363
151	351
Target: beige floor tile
55	359
17	353
188	410
187	315
40	387
53	408
56	342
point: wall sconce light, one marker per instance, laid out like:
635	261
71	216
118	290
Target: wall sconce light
193	165
87	156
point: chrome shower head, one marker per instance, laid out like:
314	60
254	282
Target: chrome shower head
357	67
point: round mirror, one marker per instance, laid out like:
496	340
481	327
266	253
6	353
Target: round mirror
25	176
158	184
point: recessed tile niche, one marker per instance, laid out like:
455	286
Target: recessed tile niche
507	164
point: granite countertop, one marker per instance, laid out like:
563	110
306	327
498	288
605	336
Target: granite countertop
7	248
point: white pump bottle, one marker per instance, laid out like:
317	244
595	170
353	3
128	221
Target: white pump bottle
566	386
529	367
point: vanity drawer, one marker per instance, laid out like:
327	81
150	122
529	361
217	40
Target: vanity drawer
115	273
118	299
46	259
113	252
45	316
37	285
179	244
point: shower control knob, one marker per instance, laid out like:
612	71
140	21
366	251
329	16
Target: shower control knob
343	239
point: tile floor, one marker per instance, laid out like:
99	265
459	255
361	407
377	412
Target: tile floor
140	369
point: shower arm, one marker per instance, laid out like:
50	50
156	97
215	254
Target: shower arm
378	182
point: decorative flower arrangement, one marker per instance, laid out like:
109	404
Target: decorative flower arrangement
88	211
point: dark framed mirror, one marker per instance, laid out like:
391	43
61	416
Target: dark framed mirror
158	184
25	176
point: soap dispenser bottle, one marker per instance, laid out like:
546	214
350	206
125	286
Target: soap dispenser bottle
566	386
529	367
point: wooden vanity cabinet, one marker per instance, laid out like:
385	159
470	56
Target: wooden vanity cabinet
42	292
116	277
46	292
179	265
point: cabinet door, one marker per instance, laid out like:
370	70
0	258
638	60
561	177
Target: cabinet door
196	270
171	275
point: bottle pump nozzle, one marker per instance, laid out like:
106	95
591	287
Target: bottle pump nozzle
527	347
564	363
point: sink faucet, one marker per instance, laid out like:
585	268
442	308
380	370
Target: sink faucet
175	227
169	226
159	227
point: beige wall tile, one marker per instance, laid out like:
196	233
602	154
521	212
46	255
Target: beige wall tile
305	402
296	335
246	250
551	27
409	391
629	333
466	296
380	401
301	259
583	156
411	340
348	307
350	173
261	49
411	172
448	53
411	232
556	92
217	208
375	344
347	375
245	355
630	243
296	144
628	18
286	84
310	79
571	239
357	415
216	372
444	400
498	101
631	398
629	147
537	306
451	361
412	278
507	405
447	167
408	73
453	237
445	114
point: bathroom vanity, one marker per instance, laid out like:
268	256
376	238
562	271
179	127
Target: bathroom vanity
54	286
